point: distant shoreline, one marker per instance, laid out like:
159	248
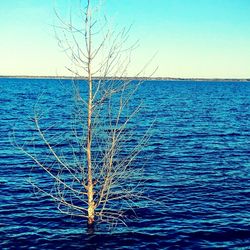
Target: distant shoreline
136	78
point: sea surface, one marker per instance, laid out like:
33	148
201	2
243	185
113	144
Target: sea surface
197	168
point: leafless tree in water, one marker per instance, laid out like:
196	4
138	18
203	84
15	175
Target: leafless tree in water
99	182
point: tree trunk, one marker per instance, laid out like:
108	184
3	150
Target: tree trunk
91	206
90	186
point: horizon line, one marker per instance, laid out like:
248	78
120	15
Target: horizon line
128	77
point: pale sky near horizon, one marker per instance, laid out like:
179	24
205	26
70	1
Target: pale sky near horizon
191	38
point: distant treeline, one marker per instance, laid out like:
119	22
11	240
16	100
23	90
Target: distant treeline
135	78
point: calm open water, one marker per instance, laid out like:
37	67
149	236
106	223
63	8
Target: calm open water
199	168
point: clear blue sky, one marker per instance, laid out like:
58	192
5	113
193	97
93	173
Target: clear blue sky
192	38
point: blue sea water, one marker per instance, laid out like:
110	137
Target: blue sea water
198	167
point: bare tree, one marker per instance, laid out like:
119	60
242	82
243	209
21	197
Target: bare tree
99	180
